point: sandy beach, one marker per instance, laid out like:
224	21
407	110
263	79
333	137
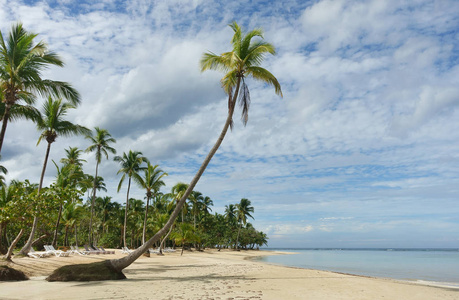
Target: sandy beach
210	275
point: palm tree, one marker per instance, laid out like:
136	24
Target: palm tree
52	124
242	61
197	200
67	176
151	182
100	144
184	233
72	212
73	157
177	192
244	209
21	65
3	171
130	166
230	213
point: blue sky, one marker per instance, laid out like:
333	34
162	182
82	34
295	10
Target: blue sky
362	150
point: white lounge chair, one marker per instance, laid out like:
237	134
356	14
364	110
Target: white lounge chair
77	251
37	254
58	253
153	251
126	250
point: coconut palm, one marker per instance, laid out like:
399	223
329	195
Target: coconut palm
183	234
73	157
151	182
130	166
244	208
52	124
244	60
67	176
101	145
196	199
177	192
21	65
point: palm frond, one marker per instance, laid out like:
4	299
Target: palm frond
244	102
264	75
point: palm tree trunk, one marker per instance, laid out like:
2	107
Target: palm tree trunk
161	245
66	241
6	116
120	264
57	226
92	205
145	221
26	248
237	238
76	236
125	212
13	245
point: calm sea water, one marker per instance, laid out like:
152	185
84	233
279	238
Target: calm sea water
438	265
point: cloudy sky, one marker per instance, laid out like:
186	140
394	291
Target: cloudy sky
362	150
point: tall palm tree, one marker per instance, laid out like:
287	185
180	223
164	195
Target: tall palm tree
52	124
130	166
244	208
244	60
21	65
151	182
101	145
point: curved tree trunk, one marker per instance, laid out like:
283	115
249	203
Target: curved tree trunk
120	264
161	245
13	245
5	119
92	205
26	248
145	221
125	212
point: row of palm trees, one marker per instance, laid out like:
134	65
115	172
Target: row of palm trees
21	64
62	210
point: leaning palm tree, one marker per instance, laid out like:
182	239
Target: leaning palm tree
52	124
130	166
21	65
244	208
151	182
243	61
101	145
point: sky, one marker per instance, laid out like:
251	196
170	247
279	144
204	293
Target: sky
361	151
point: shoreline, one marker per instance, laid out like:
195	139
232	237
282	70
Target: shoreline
215	275
420	281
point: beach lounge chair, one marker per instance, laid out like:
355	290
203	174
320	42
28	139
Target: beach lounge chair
39	254
168	249
76	250
91	251
58	253
154	251
106	251
126	250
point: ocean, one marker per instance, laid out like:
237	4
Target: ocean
434	265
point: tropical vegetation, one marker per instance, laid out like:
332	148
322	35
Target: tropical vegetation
69	210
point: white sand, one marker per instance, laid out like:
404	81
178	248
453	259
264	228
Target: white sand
210	275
